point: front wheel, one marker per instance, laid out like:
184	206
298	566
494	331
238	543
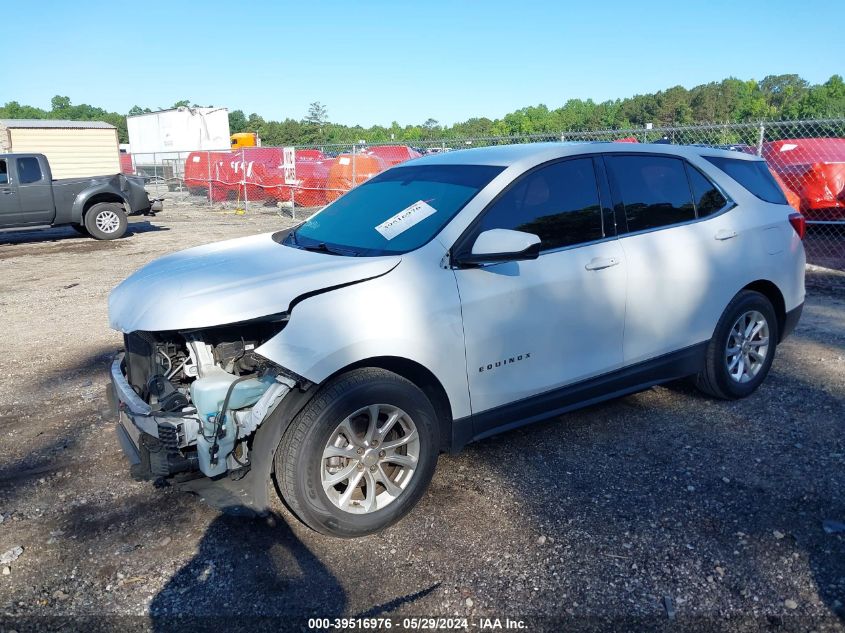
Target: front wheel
360	455
106	221
742	349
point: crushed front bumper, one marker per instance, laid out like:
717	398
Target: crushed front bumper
153	441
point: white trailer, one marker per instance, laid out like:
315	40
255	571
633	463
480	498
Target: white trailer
160	141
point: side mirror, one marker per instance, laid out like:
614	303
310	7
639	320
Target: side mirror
501	245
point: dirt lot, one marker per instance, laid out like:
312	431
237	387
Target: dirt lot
656	510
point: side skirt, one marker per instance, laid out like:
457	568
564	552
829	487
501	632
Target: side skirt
621	382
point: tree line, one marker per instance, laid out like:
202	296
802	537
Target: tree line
728	101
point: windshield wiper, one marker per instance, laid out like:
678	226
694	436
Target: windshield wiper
321	247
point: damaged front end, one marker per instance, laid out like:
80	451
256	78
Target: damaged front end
189	402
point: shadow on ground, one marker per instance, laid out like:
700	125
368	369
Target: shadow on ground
710	508
66	234
253	571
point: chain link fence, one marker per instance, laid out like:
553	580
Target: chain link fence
807	159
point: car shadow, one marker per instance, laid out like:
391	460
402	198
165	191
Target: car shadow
67	233
248	574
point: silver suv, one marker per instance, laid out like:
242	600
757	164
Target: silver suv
450	298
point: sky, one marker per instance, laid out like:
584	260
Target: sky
382	61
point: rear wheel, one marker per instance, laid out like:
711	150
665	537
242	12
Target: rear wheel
106	221
742	348
360	455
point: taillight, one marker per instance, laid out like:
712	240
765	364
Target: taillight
799	223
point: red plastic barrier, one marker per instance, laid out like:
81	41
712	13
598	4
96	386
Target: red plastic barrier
813	168
309	186
393	154
200	166
126	166
791	197
348	167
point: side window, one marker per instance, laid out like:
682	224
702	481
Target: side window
29	170
708	199
654	190
559	203
4	173
754	175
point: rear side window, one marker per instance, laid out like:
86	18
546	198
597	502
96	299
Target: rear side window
29	170
654	190
754	175
4	174
559	203
708	199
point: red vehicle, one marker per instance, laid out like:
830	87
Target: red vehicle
814	169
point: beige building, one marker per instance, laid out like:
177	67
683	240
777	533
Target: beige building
75	149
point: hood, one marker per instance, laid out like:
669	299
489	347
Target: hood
228	282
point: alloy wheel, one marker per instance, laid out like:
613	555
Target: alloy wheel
370	458
747	346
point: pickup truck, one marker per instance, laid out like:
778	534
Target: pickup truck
98	206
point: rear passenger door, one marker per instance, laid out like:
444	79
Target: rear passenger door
680	250
533	326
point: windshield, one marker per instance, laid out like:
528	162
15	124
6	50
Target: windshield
397	211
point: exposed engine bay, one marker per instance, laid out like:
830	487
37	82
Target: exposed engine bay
207	392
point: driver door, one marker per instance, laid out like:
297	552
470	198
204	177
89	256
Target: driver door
533	327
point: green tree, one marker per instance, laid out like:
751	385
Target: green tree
237	122
59	104
317	114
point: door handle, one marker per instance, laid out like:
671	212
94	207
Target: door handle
8	192
725	234
599	263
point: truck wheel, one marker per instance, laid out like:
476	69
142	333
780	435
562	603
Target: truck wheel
360	455
742	349
105	221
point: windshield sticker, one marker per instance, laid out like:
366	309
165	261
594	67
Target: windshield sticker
405	219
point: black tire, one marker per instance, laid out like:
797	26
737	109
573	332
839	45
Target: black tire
100	219
298	464
715	379
80	229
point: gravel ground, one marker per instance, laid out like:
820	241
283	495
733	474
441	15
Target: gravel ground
659	510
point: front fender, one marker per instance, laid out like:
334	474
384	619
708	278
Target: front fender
412	312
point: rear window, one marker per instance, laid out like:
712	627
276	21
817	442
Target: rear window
754	175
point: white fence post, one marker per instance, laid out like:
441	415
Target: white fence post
243	178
